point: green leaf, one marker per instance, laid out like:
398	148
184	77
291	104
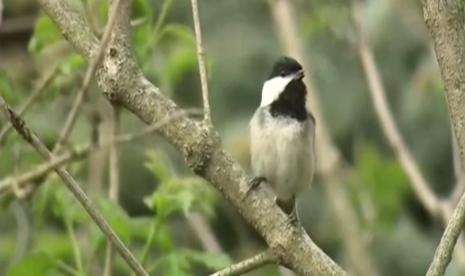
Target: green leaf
181	60
6	89
45	34
65	206
141	8
143	42
157	165
71	64
385	182
180	32
181	195
210	261
38	264
118	219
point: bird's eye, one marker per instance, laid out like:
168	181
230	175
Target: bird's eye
283	74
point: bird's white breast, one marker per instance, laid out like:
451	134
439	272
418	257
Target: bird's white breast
282	151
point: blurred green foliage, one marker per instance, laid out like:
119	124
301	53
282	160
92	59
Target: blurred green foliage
158	198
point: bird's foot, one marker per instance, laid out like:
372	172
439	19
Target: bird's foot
293	218
289	207
254	183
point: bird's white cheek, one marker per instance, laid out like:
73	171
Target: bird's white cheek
273	88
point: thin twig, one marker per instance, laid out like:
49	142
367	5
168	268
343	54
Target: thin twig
79	152
204	233
74	243
41	87
75	109
459	174
29	136
257	261
443	253
201	61
378	95
113	190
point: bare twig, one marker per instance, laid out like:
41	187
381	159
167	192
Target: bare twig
443	253
113	189
418	182
257	261
73	186
75	109
201	61
459	174
81	151
204	233
43	84
42	170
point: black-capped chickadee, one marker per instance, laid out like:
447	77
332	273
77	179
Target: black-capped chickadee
282	134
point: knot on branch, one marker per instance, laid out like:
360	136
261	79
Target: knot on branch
117	73
19	125
199	153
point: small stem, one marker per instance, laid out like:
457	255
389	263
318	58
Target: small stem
41	87
201	61
257	261
113	189
74	243
68	269
154	227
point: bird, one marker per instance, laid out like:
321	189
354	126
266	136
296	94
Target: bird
282	136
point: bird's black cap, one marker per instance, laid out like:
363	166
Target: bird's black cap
285	66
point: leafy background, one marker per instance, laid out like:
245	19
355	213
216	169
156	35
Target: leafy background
48	233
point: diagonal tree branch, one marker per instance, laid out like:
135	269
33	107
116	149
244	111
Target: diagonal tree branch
445	21
121	80
73	186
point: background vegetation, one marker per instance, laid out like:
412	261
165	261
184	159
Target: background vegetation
45	231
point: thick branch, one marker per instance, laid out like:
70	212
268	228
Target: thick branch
121	78
445	21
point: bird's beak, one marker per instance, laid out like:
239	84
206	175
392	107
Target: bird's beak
299	75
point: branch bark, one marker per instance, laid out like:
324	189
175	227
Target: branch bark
445	21
121	80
